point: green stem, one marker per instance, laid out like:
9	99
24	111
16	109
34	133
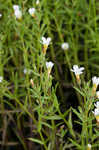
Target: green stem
52	49
45	146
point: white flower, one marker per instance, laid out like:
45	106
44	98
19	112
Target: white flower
1	78
37	2
77	70
18	14
97	105
46	41
16	7
89	146
95	80
97	94
65	46
0	15
96	112
26	71
49	64
31	11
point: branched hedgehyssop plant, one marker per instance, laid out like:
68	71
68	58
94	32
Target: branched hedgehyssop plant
40	41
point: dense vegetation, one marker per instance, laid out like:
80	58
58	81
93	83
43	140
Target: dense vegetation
49	68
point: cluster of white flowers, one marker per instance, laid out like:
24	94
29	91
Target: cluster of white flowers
96	111
95	80
18	13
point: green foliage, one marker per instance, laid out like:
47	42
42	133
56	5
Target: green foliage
35	106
